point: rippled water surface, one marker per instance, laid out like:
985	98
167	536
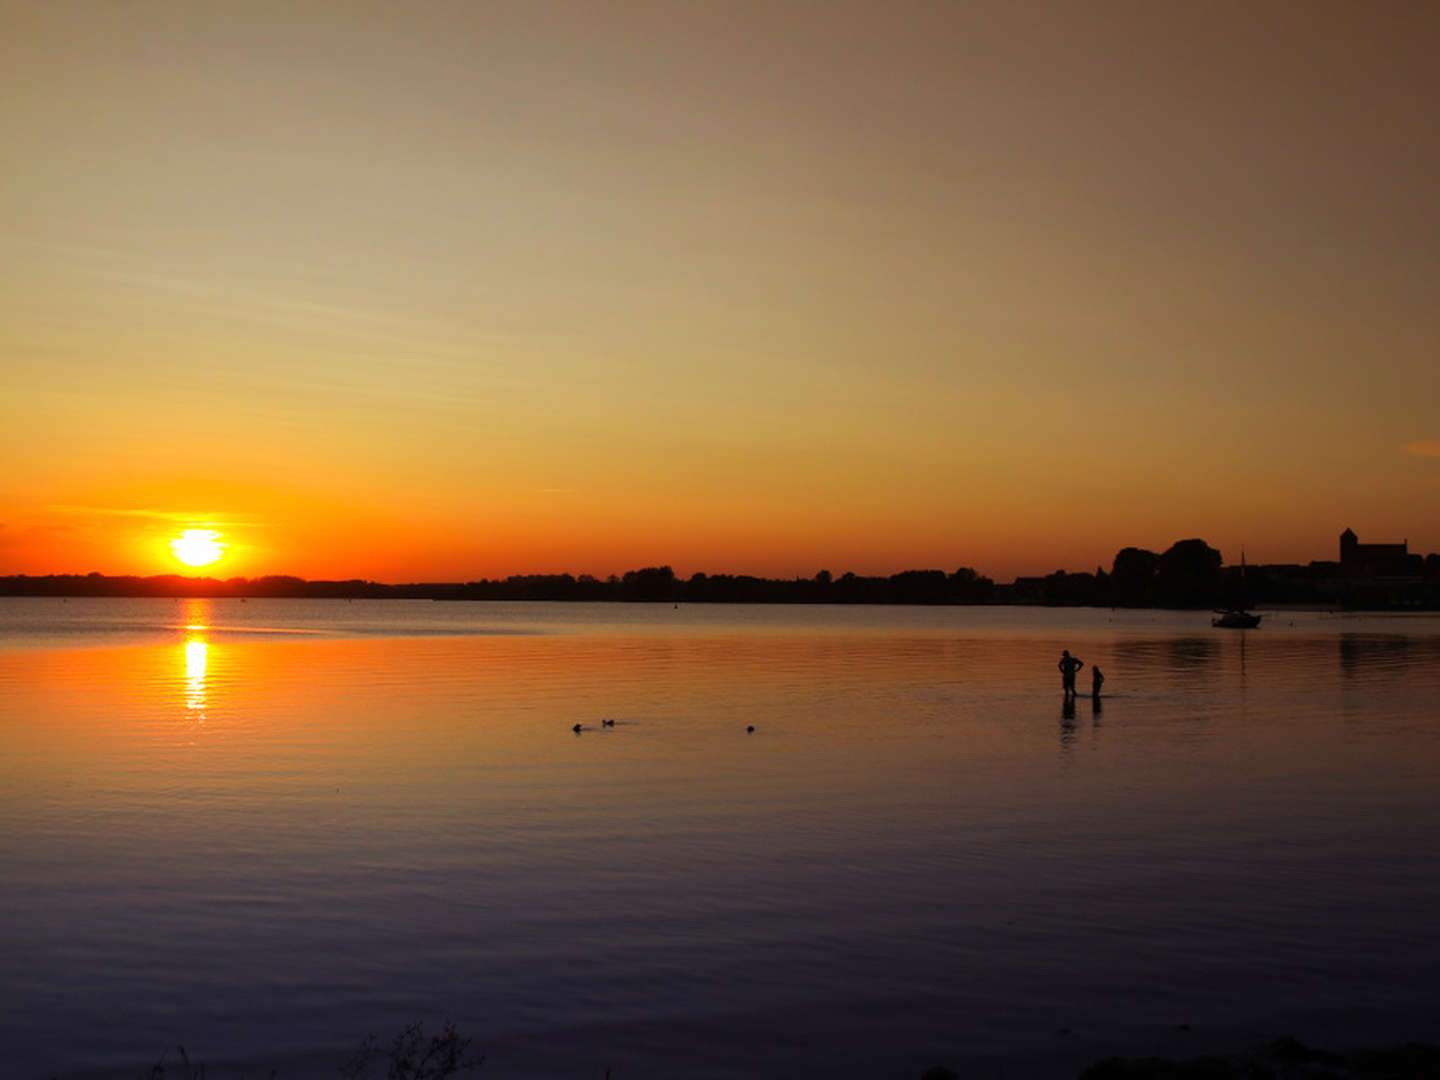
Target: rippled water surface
264	829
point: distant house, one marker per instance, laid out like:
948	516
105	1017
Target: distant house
1372	560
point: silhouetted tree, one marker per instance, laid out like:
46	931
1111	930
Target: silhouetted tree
1132	577
1071	589
650	584
1188	575
918	587
822	592
968	587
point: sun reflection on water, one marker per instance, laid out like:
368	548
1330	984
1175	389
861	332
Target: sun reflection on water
195	656
197	622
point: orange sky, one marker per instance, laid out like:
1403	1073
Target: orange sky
454	290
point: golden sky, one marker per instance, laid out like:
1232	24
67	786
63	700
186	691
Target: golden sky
457	289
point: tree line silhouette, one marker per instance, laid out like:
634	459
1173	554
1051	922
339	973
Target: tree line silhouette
650	584
1188	574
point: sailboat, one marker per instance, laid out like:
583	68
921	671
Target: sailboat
1237	618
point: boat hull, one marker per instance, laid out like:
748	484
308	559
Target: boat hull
1236	620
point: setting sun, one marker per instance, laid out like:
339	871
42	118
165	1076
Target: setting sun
197	547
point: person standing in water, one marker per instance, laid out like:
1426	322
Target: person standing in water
1069	666
1097	680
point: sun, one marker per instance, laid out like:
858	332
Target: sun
197	547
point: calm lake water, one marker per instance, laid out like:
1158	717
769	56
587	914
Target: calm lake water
265	829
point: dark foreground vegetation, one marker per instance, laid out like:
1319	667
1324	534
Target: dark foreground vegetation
1284	1059
1188	574
410	1055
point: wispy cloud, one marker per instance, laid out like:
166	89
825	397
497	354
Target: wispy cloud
1424	448
178	516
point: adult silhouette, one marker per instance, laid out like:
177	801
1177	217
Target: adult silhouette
1069	666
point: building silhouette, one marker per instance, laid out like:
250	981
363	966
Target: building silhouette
1373	560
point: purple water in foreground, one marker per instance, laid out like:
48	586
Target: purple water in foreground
265	829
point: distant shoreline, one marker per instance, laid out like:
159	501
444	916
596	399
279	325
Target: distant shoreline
1189	575
909	588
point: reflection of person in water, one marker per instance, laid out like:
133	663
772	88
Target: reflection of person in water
1069	666
1097	680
